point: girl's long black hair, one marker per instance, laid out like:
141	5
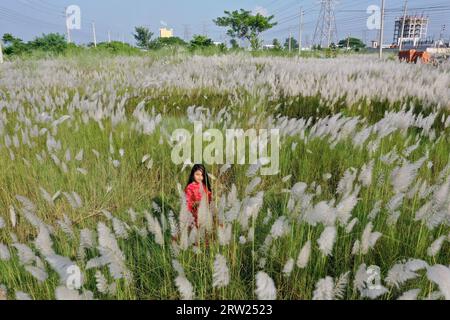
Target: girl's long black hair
199	167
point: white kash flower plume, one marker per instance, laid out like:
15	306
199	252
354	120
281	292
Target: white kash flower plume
340	286
327	239
410	295
184	287
221	275
402	177
279	228
303	256
12	216
44	243
205	219
322	212
399	274
47	196
327	289
265	287
102	284
436	246
20	295
155	228
224	234
110	254
324	289
64	267
346	206
365	177
3	293
288	267
38	273
64	293
4	252
440	275
120	228
369	238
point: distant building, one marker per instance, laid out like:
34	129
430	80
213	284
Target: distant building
268	46
165	33
415	29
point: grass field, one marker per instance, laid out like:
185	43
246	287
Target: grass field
86	179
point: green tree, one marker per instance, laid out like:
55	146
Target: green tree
243	24
13	45
143	37
200	41
167	42
294	44
234	44
52	42
276	44
353	43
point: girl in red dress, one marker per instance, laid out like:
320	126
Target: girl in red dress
197	179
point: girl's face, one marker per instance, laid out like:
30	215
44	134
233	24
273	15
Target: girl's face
198	176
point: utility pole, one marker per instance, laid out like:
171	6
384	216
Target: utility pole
93	33
348	41
382	29
441	35
300	35
290	40
1	52
69	40
205	29
109	36
187	32
400	47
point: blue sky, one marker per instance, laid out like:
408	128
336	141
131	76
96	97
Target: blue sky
29	18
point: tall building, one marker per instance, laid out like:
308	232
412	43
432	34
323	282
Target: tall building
165	33
415	29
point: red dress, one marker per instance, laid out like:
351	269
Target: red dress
193	198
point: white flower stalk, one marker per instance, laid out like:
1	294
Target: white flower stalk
410	295
436	246
369	238
5	255
265	287
326	240
279	228
221	275
64	293
224	233
288	267
154	227
110	254
184	288
440	275
399	274
205	219
324	289
303	256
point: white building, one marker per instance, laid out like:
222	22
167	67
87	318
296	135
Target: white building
415	29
